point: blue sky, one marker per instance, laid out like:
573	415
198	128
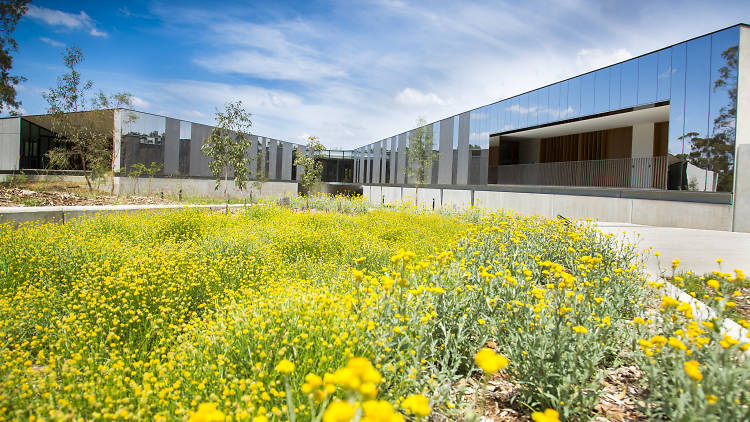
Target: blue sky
348	72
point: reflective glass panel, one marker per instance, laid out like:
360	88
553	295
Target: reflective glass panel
564	110
543	104
150	128
493	118
716	153
553	103
533	109
455	132
663	76
614	87
436	136
628	83
523	110
601	90
697	88
515	112
647	78
587	94
574	97
677	99
186	129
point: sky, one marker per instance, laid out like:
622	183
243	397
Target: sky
349	72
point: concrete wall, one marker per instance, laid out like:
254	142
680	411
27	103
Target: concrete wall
198	161
391	194
456	198
202	187
741	215
427	197
653	212
445	158
462	166
10	144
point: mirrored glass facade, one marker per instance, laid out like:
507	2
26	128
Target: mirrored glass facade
692	85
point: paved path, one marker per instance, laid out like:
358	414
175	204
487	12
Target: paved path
696	249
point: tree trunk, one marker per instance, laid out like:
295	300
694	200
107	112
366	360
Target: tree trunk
226	182
85	173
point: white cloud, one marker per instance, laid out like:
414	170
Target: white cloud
51	42
139	102
271	66
69	21
595	58
414	97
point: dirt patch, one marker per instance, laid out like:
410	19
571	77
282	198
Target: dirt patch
61	193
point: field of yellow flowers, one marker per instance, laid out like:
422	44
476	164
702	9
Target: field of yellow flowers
275	314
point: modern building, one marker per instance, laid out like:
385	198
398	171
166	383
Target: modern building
659	139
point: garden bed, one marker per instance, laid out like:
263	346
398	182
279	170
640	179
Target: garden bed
259	314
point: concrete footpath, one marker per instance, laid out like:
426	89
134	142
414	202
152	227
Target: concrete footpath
65	214
696	249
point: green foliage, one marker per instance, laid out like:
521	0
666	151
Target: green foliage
261	176
228	145
10	13
420	154
85	132
311	167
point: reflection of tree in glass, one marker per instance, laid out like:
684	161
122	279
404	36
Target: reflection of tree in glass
716	153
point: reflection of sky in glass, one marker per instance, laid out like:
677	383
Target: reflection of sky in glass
455	132
563	111
587	94
697	86
601	91
615	72
677	99
436	136
553	110
647	77
628	83
144	124
186	129
663	75
574	97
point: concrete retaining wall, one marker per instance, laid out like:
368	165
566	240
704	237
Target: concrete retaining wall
171	186
653	212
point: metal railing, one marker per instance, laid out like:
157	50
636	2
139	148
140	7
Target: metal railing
642	173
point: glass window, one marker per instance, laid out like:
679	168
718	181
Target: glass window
455	132
697	87
508	113
186	129
614	86
574	97
543	103
677	99
564	111
663	76
587	94
436	136
494	116
717	152
553	104
647	78
533	109
628	84
523	110
601	90
148	127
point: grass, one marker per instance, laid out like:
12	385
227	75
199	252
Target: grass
273	313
